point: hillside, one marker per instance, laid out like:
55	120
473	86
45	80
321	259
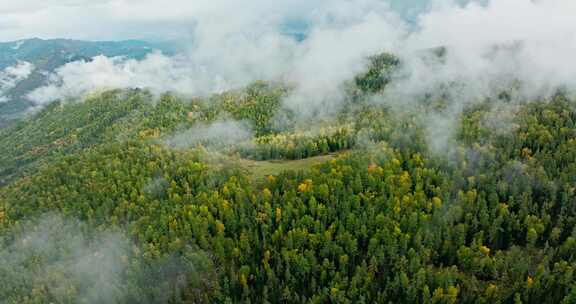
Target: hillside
170	201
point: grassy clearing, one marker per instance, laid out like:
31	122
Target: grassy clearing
273	167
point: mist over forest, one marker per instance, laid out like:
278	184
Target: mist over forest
314	151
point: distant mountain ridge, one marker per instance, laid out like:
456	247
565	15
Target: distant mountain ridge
35	50
48	55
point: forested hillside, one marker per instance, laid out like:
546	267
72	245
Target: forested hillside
119	198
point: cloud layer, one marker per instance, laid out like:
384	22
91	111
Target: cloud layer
249	46
521	46
11	76
492	46
494	41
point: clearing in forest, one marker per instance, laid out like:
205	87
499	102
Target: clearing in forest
274	167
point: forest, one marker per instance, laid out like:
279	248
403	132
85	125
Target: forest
112	199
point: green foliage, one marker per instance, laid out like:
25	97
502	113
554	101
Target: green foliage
378	74
67	127
491	221
60	129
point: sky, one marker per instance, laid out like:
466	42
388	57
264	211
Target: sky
150	19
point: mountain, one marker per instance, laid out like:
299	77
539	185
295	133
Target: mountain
47	55
148	200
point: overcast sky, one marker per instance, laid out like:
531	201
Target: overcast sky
147	19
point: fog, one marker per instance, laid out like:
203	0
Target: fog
11	76
520	46
68	260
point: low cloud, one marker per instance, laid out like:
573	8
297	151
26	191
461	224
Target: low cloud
62	260
156	72
251	46
218	134
493	46
336	50
521	46
12	75
54	254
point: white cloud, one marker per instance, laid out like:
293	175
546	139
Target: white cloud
11	76
336	50
156	72
491	46
218	134
248	47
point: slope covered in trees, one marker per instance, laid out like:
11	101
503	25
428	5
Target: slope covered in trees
390	221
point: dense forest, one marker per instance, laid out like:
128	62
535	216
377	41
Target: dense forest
103	201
